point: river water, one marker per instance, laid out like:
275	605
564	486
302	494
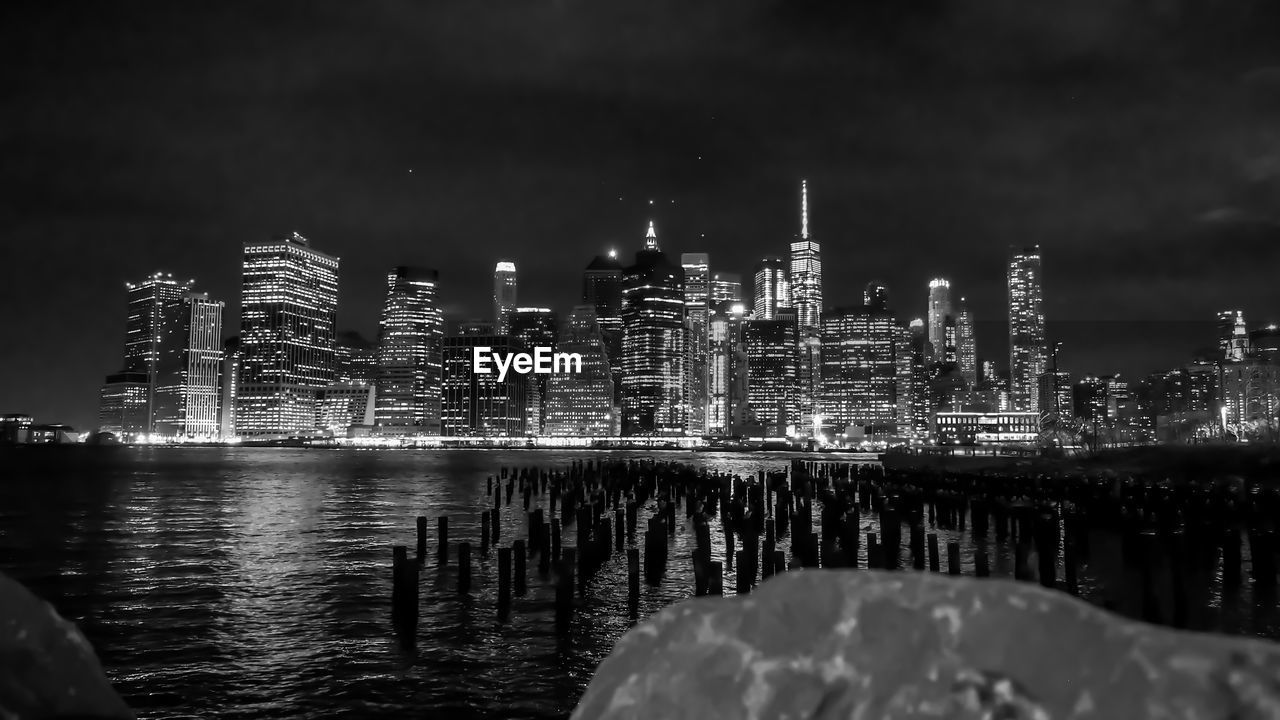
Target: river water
256	583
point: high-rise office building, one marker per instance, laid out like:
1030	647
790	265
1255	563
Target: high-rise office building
1055	394
188	371
903	377
806	270
504	295
1027	350
407	396
921	400
580	404
1233	336
355	358
481	404
772	288
725	287
535	327
875	296
726	367
123	407
940	310
602	289
772	354
697	289
289	303
653	344
152	326
859	368
230	379
966	347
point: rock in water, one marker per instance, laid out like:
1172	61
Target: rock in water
825	644
47	668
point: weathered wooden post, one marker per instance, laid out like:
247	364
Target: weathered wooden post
715	578
953	558
742	579
442	538
633	581
422	538
874	561
934	565
495	526
556	550
619	529
521	575
544	552
504	582
779	562
980	567
917	546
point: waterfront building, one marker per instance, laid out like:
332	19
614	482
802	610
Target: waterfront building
806	272
481	404
919	400
123	408
289	303
772	288
504	295
1250	399
859	368
984	428
697	289
602	289
772	350
343	407
152	325
187	385
1028	354
581	404
653	344
230	381
408	384
940	312
535	327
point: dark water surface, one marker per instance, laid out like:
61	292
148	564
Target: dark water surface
256	583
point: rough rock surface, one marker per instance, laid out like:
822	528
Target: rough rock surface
47	668
824	644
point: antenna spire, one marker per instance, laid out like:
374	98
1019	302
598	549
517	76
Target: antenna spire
651	238
804	209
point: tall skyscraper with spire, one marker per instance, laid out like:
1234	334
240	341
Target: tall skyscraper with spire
1027	350
410	334
288	307
940	311
806	270
653	343
504	295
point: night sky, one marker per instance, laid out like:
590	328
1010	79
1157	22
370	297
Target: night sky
1138	141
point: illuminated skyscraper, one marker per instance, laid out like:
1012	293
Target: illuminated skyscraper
407	397
355	358
187	373
580	404
772	288
966	349
859	368
289	302
478	403
772	355
653	344
725	287
1027	351
504	295
535	327
806	270
1233	336
230	381
123	405
939	310
153	325
726	367
697	290
921	402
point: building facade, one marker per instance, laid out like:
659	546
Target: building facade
504	295
410	332
653	344
581	404
772	357
772	289
288	309
859	368
477	404
806	271
697	294
940	316
188	372
1028	353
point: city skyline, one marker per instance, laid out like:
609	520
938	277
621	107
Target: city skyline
1129	140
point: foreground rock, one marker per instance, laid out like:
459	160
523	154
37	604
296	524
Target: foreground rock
47	668
822	645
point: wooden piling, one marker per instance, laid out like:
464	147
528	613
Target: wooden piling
981	569
442	539
464	567
743	581
953	558
422	538
715	578
932	539
521	556
504	582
